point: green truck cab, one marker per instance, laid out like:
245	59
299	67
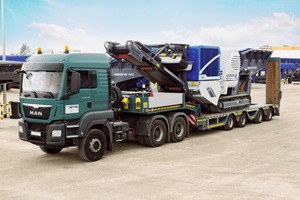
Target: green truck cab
65	100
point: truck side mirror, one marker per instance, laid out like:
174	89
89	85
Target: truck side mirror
75	82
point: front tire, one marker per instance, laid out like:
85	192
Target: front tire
93	146
50	150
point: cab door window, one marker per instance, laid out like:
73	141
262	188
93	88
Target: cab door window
88	79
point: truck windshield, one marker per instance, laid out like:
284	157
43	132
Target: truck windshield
41	84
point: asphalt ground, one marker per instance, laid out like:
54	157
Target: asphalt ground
259	161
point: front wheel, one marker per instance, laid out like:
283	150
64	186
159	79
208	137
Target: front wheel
50	150
93	146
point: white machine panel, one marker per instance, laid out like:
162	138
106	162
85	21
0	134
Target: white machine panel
165	99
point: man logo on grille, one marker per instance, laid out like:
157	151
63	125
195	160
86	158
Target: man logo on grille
36	113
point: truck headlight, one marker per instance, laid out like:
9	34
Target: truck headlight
20	129
56	133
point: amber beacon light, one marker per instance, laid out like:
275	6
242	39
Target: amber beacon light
67	49
39	50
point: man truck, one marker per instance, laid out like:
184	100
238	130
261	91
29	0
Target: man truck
70	100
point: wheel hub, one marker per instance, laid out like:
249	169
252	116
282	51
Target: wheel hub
260	117
230	122
243	120
158	134
95	145
179	130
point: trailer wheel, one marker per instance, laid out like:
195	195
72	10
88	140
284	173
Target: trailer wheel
268	116
93	146
179	130
259	117
116	96
158	134
229	123
242	121
50	150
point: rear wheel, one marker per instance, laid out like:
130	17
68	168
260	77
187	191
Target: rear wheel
50	150
141	140
242	120
158	134
259	117
268	116
229	123
93	146
179	130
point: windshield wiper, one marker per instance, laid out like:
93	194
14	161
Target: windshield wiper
28	94
35	94
49	95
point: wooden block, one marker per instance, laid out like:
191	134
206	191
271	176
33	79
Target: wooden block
273	81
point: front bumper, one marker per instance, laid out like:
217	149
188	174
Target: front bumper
43	134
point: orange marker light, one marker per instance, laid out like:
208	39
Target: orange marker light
67	49
39	50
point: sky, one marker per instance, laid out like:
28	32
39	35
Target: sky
84	25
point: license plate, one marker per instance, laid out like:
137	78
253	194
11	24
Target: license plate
36	133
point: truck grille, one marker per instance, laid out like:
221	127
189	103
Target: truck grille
42	112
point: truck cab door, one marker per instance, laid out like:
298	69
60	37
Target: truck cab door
80	102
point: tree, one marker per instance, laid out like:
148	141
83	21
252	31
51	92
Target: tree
25	50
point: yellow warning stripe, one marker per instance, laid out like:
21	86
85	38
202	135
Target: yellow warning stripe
215	125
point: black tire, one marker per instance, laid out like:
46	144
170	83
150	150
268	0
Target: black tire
141	140
50	150
268	116
179	130
93	146
116	96
158	134
242	120
229	123
259	117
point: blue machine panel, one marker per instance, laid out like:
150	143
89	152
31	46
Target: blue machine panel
200	56
16	58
